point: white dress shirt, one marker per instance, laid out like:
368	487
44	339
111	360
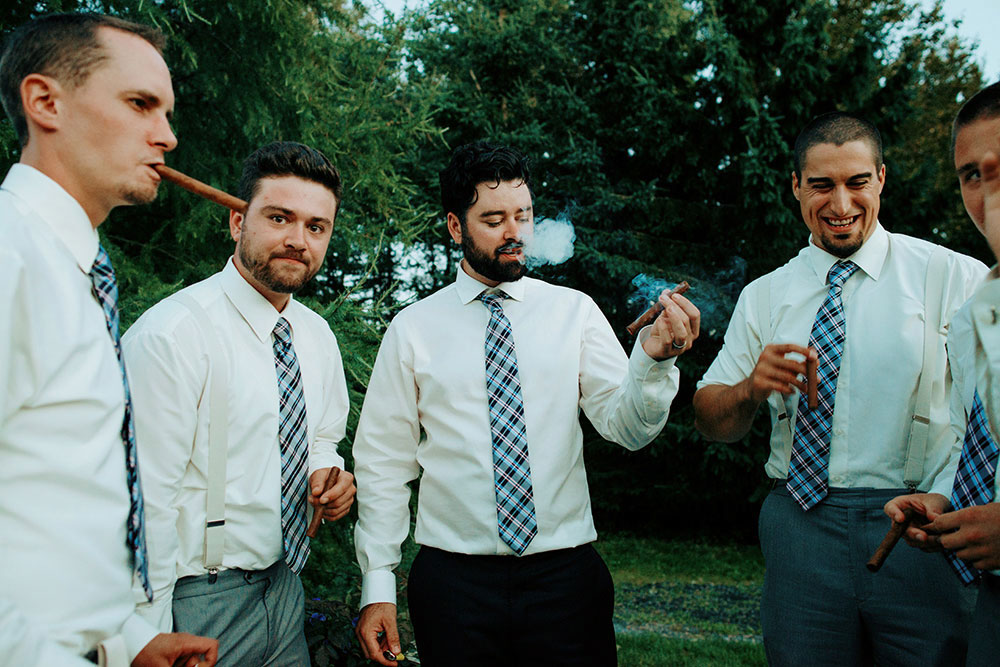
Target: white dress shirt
883	354
426	409
65	573
168	367
974	353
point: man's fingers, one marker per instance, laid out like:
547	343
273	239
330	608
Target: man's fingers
691	311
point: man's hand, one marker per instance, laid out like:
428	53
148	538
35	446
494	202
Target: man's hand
775	372
972	533
675	329
178	649
989	170
336	500
378	634
927	505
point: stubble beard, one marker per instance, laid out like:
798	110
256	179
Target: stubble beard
260	268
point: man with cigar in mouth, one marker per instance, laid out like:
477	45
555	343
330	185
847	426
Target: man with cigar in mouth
479	389
235	365
965	519
857	298
90	99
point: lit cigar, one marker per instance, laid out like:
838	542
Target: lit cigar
811	381
331	480
201	189
653	312
895	532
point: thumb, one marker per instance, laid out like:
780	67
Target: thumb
319	481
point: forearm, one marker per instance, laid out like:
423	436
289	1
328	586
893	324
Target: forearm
724	413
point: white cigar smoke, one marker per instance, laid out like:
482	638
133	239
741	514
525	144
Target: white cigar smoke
552	242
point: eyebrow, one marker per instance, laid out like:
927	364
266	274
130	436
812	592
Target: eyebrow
290	213
827	179
967	167
486	214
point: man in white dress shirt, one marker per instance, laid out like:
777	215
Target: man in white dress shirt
284	418
478	388
972	532
90	98
857	298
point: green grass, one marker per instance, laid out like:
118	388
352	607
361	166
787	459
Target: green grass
685	602
649	650
640	560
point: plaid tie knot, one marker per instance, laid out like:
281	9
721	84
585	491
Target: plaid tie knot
808	469
839	273
516	523
105	289
292	428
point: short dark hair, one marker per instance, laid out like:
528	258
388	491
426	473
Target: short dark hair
984	104
837	128
287	158
62	46
475	163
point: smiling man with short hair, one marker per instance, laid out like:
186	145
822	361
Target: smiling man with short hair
861	302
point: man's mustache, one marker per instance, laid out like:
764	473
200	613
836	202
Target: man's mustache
513	245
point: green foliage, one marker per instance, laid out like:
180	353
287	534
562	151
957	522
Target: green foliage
635	559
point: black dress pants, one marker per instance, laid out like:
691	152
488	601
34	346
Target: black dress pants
552	608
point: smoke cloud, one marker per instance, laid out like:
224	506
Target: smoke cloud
552	242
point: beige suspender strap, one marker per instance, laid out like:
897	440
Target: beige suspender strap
218	443
783	424
934	295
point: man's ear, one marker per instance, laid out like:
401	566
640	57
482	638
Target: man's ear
40	98
235	225
455	228
795	185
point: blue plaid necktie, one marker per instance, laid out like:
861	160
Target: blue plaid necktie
294	450
511	470
105	290
808	470
975	476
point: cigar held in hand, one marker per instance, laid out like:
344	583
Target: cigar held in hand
654	311
812	383
331	481
889	541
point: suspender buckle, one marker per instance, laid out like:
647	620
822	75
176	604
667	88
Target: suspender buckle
213	574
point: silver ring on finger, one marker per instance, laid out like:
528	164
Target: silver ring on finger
678	345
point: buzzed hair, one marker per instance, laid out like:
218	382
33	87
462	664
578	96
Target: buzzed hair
983	105
62	46
837	128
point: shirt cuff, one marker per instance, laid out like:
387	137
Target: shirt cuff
320	460
137	632
644	367
378	586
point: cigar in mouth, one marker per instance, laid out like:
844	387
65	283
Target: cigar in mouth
892	537
654	311
317	518
201	189
812	383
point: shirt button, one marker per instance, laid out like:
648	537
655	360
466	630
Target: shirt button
839	432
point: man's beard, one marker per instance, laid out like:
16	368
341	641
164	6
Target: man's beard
490	266
260	268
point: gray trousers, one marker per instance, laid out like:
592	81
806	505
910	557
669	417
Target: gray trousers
257	616
984	640
821	605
